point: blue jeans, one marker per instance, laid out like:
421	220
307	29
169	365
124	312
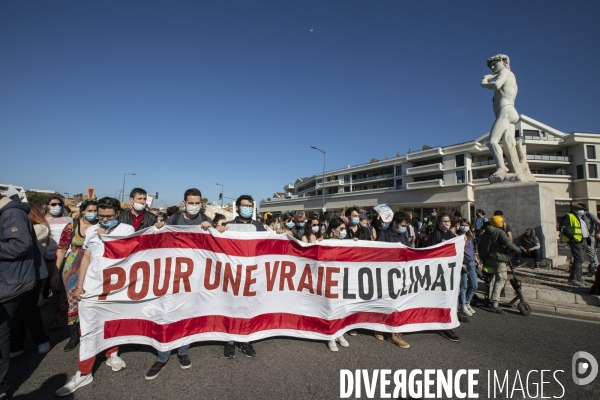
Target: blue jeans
163	356
534	253
468	284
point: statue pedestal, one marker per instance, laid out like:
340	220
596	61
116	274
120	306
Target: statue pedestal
525	205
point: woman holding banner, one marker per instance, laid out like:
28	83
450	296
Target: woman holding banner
337	231
71	252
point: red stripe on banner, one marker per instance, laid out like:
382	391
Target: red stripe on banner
122	248
244	326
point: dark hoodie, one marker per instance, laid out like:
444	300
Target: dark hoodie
530	242
18	255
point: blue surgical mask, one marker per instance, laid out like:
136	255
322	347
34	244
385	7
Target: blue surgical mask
109	224
342	234
355	220
300	224
464	229
289	225
91	216
246	212
580	213
401	229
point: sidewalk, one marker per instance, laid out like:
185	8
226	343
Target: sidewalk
548	290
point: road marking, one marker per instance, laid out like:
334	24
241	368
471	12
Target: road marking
570	319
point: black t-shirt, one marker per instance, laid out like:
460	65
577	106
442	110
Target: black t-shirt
438	236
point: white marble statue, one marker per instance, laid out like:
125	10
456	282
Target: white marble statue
504	85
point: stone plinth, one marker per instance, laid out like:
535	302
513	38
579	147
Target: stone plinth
525	205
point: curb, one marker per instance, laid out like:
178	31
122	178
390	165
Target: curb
570	301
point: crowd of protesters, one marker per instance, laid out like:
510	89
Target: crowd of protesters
50	250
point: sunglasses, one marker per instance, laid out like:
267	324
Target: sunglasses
54	204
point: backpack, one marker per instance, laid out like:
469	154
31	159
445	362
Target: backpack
485	245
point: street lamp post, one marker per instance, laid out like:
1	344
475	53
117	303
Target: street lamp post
323	181
222	186
67	193
123	191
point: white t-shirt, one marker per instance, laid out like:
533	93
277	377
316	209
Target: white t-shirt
94	243
56	227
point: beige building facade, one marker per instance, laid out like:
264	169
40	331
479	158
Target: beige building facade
567	163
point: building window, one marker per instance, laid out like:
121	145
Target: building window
580	171
364	188
346	189
460	160
591	152
460	176
398	184
398	170
346	178
592	171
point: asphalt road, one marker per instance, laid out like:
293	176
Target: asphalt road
293	369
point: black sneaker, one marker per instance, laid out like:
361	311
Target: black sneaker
536	266
184	361
496	309
247	349
229	351
463	318
450	335
73	342
155	370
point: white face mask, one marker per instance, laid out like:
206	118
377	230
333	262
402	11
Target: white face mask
139	207
277	226
55	210
192	210
323	229
315	229
342	234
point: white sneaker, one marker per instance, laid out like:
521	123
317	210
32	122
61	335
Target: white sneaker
342	341
44	348
332	346
468	306
115	362
464	310
75	383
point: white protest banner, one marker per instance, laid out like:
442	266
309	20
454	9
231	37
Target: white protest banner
179	285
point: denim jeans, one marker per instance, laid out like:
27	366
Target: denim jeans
468	284
163	356
535	253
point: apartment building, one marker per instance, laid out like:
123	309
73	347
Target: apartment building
446	176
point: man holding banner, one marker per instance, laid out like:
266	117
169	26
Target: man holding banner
108	225
243	223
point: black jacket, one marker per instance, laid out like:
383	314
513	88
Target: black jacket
148	220
362	233
19	253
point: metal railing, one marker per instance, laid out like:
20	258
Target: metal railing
547	157
372	178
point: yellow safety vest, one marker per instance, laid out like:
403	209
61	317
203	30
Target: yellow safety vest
574	229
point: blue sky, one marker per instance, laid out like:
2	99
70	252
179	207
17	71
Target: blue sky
190	93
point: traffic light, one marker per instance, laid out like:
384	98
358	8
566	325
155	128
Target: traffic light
220	196
156	197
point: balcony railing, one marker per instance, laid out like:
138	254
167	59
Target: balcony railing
546	138
425	169
372	178
308	189
545	157
337	182
425	184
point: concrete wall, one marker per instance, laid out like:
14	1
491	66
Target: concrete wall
525	205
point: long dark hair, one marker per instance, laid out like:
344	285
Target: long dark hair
308	232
